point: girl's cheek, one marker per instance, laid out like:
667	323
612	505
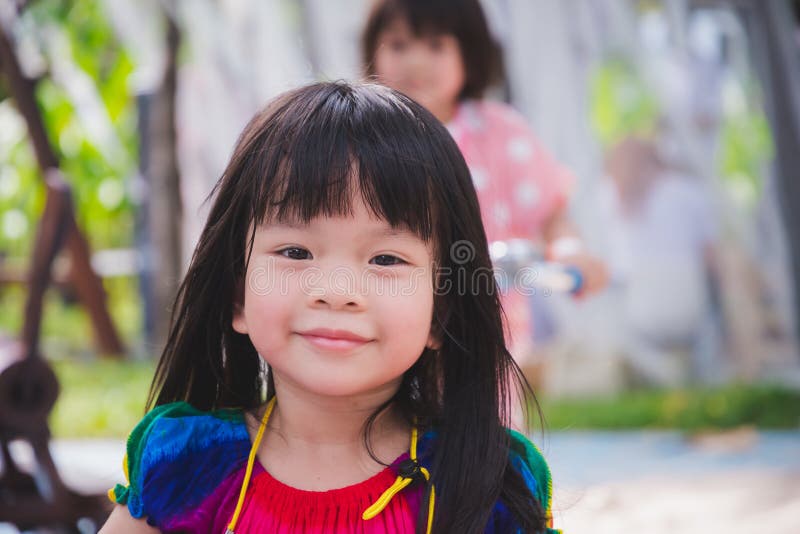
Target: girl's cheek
385	69
270	283
391	65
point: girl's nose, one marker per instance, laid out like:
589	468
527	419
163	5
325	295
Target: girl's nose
415	58
338	288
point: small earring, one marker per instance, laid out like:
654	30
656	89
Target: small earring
414	386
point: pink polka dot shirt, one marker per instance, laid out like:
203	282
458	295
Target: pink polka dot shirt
519	184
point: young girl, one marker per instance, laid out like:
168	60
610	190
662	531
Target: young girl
441	54
336	361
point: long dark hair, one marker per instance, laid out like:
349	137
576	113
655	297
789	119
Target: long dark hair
464	19
298	157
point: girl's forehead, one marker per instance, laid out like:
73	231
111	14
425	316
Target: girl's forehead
366	223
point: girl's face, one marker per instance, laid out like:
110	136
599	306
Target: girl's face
427	68
339	307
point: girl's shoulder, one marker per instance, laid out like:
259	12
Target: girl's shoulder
529	462
177	455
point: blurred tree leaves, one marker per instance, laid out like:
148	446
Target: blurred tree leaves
3	90
90	117
745	149
621	105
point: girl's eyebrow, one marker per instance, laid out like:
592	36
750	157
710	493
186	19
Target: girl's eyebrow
389	231
285	224
374	233
393	231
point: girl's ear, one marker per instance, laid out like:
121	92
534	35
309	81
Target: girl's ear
434	337
238	321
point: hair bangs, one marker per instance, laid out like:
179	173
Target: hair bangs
346	145
424	16
433	18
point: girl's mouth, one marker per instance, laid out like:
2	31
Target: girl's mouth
336	340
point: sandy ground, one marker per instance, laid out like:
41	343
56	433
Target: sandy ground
652	483
732	482
739	502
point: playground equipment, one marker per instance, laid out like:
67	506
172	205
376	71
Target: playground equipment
28	387
28	392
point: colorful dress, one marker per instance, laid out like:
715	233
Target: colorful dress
185	469
519	185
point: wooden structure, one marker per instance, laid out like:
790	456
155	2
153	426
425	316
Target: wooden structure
28	386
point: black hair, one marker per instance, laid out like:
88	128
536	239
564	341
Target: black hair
482	57
307	154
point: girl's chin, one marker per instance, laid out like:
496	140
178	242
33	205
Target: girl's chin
346	384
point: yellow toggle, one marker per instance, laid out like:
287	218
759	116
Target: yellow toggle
378	506
401	483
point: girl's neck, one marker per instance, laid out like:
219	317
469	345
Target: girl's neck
316	443
321	420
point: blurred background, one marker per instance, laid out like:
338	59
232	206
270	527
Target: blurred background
672	399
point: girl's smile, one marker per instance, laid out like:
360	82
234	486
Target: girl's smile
334	340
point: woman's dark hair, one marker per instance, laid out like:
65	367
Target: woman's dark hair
309	153
483	60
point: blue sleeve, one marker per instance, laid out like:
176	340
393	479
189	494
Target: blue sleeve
176	456
531	465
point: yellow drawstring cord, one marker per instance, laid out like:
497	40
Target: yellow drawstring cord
250	461
400	483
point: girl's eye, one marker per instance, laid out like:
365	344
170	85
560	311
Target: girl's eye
436	44
396	45
386	260
295	253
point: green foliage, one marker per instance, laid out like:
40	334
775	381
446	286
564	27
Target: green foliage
96	141
621	103
93	131
764	406
744	152
21	197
